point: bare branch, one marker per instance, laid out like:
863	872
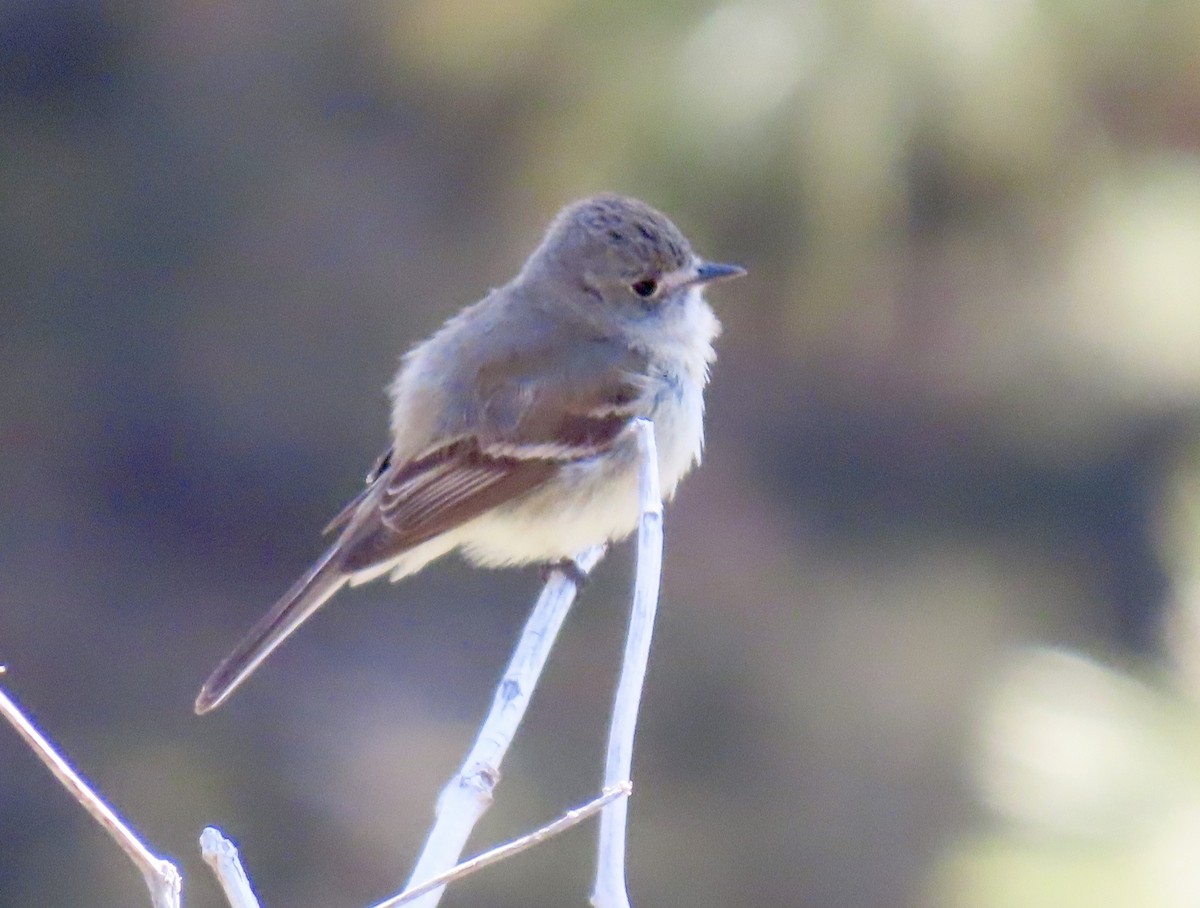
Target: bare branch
610	890
221	855
469	794
509	849
162	879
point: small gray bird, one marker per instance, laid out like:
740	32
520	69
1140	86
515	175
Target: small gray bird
509	425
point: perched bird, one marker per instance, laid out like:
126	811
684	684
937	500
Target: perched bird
510	426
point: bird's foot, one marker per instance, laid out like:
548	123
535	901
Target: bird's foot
569	568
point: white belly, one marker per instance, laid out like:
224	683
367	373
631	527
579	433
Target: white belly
592	501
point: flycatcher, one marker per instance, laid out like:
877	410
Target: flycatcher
510	436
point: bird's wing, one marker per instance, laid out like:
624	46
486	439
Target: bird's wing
518	429
521	429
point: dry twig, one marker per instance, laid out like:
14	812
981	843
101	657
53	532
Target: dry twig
610	890
162	879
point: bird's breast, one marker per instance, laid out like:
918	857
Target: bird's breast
596	499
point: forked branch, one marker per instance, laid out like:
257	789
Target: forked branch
469	793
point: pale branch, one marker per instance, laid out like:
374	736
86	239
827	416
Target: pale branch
161	876
469	794
509	849
611	890
221	855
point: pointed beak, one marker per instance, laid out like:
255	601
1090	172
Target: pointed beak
700	273
708	272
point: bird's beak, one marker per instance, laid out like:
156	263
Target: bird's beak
698	274
708	272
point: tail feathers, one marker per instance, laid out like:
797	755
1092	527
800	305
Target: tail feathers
310	592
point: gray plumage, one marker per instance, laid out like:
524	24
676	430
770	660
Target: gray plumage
509	437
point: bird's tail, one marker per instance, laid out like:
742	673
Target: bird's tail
309	593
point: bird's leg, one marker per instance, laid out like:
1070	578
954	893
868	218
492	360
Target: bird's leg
569	568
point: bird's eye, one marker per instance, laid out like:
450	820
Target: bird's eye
645	288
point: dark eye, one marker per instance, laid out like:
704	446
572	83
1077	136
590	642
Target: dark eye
646	287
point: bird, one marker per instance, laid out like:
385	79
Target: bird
511	435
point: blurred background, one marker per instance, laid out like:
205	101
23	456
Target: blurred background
930	632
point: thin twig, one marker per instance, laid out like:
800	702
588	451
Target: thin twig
161	876
611	890
469	794
221	855
508	849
